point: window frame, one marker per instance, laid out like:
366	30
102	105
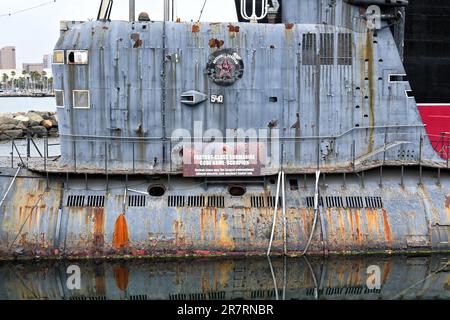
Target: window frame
68	52
88	102
63	99
64	57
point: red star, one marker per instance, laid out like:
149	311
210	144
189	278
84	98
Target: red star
225	69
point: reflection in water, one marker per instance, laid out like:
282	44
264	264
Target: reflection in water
401	277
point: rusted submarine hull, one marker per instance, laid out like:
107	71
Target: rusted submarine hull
374	211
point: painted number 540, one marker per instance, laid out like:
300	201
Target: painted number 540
216	98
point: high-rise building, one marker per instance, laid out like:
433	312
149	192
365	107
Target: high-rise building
47	60
8	58
33	67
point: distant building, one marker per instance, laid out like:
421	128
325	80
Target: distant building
33	67
8	58
47	61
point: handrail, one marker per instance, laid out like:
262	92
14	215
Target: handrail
136	139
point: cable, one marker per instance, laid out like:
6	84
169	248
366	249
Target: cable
27	9
201	11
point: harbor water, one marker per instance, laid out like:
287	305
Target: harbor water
314	278
25	104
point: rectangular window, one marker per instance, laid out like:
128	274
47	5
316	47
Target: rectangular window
59	97
309	49
77	57
326	49
345	49
58	57
81	99
397	78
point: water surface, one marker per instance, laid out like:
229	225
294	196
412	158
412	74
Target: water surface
338	278
24	104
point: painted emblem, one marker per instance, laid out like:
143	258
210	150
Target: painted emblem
225	67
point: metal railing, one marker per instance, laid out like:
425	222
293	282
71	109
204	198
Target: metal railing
353	150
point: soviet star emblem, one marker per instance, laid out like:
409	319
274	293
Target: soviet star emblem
225	67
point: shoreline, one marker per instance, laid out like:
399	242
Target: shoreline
29	95
220	255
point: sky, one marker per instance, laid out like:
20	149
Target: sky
35	32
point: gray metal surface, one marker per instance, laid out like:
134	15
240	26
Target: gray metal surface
328	113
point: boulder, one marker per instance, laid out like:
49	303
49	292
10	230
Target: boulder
38	131
53	132
47	124
35	119
23	119
7	120
6	126
54	120
13	134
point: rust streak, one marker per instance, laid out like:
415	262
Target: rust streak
120	238
358	226
121	275
289	26
386	226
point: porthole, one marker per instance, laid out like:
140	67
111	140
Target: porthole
237	191
157	190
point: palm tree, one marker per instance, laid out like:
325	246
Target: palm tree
5	80
13	75
25	73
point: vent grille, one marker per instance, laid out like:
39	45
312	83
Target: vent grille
137	201
216	201
309	49
257	201
343	291
271	202
196	201
345	49
178	296
310	202
219	295
96	201
176	201
334	202
75	201
326	48
355	202
374	202
83	298
140	297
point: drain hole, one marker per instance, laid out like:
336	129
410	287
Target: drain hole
237	191
156	190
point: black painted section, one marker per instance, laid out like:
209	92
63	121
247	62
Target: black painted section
258	10
427	50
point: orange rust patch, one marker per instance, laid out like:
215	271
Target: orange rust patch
289	26
358	226
99	227
447	202
330	222
372	223
387	270
121	274
195	28
215	43
232	28
350	220
120	238
386	226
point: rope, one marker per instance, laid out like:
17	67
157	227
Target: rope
201	11
27	9
31	212
10	186
420	281
316	213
